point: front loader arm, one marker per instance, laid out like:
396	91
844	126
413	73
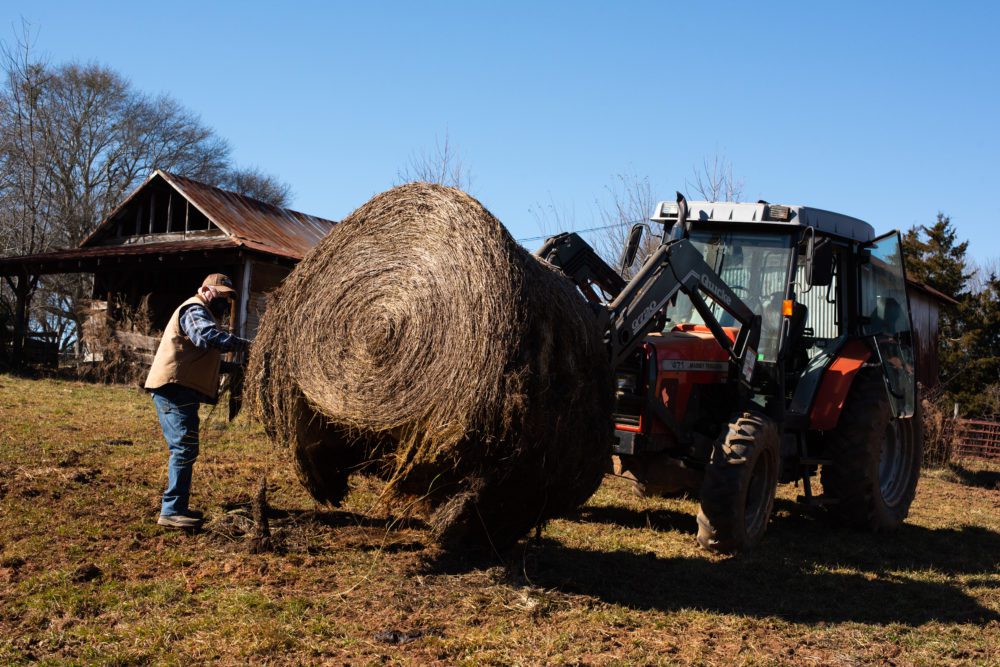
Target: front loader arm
578	260
676	266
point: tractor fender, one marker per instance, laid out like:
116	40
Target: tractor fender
836	384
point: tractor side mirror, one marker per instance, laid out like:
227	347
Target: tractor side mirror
819	262
632	247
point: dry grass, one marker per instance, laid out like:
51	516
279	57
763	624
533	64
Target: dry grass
87	577
938	427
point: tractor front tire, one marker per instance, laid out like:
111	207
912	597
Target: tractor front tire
874	459
737	494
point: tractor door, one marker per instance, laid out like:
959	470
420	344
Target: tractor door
885	312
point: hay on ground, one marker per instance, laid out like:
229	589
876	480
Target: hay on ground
419	342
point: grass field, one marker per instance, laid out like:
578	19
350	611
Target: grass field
86	575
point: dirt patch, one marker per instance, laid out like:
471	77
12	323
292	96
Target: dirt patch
86	572
10	566
399	637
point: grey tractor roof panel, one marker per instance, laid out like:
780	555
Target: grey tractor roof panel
799	216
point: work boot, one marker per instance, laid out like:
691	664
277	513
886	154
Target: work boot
179	521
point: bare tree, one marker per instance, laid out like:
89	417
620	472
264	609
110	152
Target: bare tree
714	181
551	218
104	139
254	183
443	166
631	201
981	274
25	181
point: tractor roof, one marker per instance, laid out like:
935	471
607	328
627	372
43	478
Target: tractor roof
826	222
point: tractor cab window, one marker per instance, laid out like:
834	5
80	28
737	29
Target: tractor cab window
822	307
756	267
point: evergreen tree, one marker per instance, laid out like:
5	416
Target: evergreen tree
933	257
913	254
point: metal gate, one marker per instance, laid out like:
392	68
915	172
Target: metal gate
976	438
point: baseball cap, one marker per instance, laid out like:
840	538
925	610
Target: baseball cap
222	284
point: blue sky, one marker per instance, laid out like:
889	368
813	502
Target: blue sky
885	111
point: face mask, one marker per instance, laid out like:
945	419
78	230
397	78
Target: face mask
219	307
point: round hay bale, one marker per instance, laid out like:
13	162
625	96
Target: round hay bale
419	342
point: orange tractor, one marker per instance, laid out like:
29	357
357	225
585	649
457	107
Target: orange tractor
759	344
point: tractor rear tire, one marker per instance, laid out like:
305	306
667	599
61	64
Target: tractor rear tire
737	494
874	459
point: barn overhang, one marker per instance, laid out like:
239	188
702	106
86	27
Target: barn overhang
91	260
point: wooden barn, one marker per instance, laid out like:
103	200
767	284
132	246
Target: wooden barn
925	314
159	244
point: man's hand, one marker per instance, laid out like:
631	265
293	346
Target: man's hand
207	293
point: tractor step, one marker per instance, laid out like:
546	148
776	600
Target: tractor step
816	501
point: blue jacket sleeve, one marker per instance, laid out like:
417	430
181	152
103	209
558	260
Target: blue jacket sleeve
197	324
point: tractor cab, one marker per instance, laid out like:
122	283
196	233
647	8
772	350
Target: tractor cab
816	279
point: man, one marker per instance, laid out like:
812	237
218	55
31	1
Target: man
184	374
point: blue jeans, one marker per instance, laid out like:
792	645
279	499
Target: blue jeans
177	408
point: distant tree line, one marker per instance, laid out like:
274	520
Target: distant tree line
75	139
969	346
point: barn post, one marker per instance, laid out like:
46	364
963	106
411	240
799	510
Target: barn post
244	296
21	296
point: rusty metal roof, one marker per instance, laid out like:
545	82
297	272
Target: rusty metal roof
247	222
253	223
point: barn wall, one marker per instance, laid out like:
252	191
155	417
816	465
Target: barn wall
264	278
924	312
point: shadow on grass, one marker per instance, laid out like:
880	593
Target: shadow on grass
984	479
805	571
338	518
764	588
329	518
656	519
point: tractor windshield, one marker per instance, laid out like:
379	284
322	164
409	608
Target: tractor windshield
756	267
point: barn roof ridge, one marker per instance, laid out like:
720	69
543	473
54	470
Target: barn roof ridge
246	221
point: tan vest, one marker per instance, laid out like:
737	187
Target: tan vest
180	361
